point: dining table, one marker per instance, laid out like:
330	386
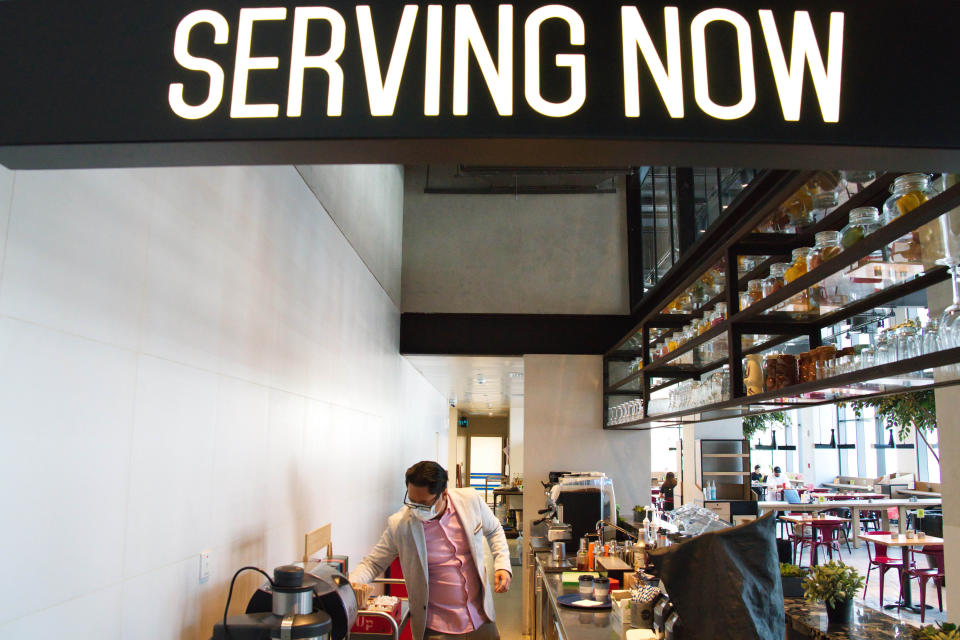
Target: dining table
906	546
816	523
856	507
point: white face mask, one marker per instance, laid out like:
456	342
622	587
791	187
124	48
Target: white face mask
425	514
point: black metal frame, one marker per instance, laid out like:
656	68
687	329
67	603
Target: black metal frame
732	237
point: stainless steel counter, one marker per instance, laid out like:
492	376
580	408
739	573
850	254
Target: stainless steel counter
555	622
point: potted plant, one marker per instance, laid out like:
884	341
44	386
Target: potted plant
792	578
942	631
835	585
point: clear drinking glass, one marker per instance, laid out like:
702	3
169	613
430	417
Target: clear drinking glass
930	338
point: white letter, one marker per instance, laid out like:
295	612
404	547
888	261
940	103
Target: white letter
239	107
576	62
431	87
790	83
221	33
467	36
701	86
383	93
300	61
670	79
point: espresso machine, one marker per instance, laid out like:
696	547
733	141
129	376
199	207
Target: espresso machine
294	605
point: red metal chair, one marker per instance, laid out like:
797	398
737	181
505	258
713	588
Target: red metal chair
882	562
829	537
925	574
801	535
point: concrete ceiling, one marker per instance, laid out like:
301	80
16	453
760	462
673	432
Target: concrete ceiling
479	385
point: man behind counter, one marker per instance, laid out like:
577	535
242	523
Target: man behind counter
438	535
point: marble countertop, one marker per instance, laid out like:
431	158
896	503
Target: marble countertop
867	623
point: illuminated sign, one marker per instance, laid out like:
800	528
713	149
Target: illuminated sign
188	72
788	62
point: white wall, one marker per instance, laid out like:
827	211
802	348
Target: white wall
516	441
948	425
190	359
563	431
506	254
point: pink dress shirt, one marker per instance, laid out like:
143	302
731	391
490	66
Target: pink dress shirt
455	590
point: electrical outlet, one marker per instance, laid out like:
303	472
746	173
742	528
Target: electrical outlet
204	566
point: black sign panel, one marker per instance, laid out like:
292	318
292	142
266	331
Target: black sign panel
80	76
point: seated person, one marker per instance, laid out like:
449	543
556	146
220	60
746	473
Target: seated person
756	476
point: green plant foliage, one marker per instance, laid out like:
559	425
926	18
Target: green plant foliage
791	570
832	583
917	409
752	425
942	631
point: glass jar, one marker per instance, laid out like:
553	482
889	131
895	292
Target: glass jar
798	264
720	314
755	290
770	372
774	281
807	366
786	370
673	342
827	246
823	204
909	192
797	209
856	180
883	348
863	222
703	325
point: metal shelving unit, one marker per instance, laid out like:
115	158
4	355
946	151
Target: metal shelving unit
735	237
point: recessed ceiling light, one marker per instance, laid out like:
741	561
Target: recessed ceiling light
516	375
480	378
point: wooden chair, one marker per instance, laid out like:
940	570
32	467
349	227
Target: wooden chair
317	540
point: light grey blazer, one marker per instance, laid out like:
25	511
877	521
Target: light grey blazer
404	537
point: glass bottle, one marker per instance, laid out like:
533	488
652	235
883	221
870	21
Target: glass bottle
798	264
920	246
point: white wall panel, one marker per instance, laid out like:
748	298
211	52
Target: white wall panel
190	359
66	405
7	178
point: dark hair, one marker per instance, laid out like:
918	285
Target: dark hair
776	469
756	467
428	474
670	474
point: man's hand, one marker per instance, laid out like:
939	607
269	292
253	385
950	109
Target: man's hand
501	581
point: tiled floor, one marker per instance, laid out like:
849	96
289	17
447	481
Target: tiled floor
509	605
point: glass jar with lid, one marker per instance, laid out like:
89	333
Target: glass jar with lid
856	179
720	314
797	209
827	247
823	204
798	264
753	294
923	245
774	282
703	324
863	222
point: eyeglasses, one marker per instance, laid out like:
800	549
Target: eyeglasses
416	505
